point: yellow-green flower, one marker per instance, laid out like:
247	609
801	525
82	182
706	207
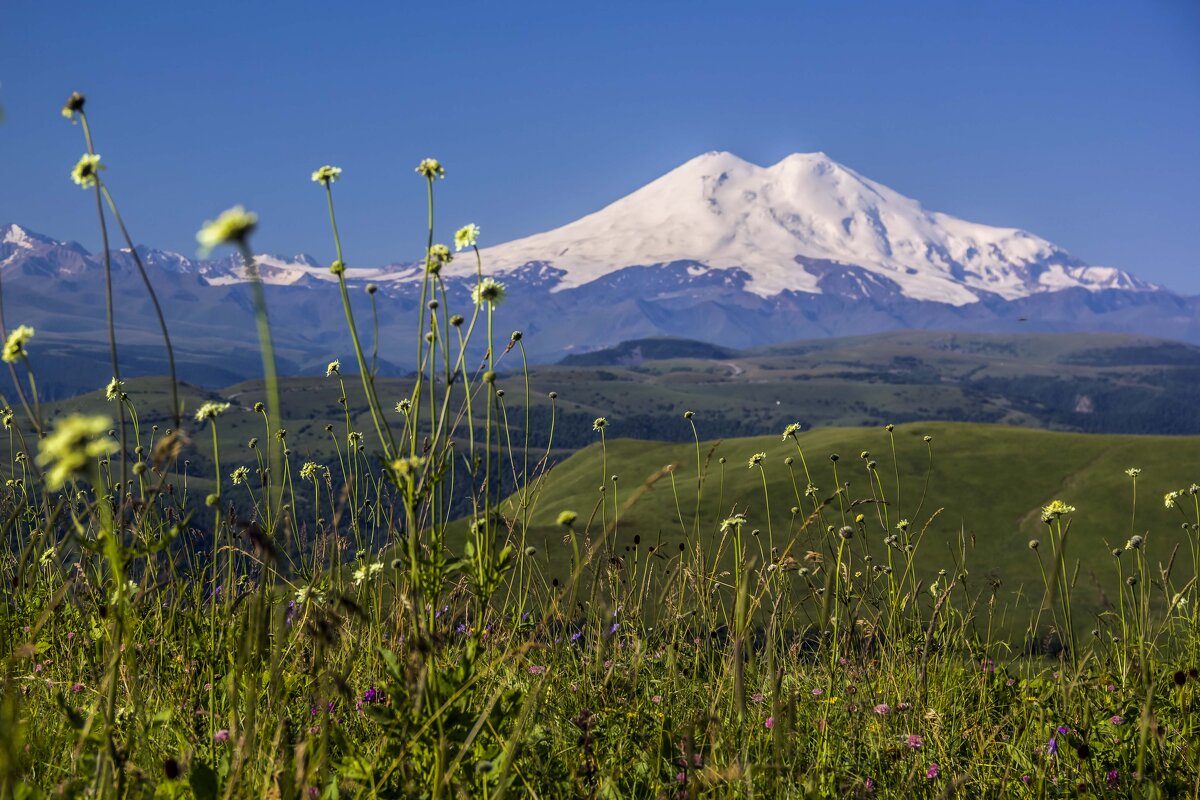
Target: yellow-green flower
73	105
6	417
71	448
736	521
326	175
791	430
1133	472
113	390
210	410
567	518
14	348
308	472
599	424
488	291
431	168
1170	497
231	227
333	367
1055	510
756	460
407	468
87	170
240	475
404	406
466	236
439	256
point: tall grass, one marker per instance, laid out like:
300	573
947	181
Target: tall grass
348	630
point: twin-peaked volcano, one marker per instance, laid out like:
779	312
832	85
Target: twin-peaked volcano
718	249
787	224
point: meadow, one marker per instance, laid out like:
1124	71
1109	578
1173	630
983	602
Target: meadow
453	585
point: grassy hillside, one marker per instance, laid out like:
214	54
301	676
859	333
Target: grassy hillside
988	482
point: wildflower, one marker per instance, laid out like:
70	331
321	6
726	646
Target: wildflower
599	424
211	410
333	368
567	518
869	786
755	460
488	291
404	406
770	723
1055	510
14	348
326	175
71	448
1112	779
73	105
1135	543
113	390
308	472
407	467
231	227
87	170
1170	497
736	521
1133	472
914	741
791	430
466	236
537	669
221	736
6	417
431	168
240	475
932	772
818	692
883	709
76	688
439	256
355	439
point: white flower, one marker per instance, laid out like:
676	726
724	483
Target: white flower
466	236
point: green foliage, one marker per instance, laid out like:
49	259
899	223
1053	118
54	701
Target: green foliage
425	608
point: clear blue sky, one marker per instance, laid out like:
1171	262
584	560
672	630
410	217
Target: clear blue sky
1079	121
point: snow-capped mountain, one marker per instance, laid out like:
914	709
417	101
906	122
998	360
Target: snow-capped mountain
806	224
718	249
774	223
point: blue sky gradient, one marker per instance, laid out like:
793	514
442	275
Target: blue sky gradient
1077	121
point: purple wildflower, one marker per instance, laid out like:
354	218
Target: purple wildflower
770	723
1116	719
1112	779
933	771
869	786
883	709
914	741
221	736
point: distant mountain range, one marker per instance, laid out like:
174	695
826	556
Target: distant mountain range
718	250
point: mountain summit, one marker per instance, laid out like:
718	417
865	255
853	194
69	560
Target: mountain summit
786	224
718	250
